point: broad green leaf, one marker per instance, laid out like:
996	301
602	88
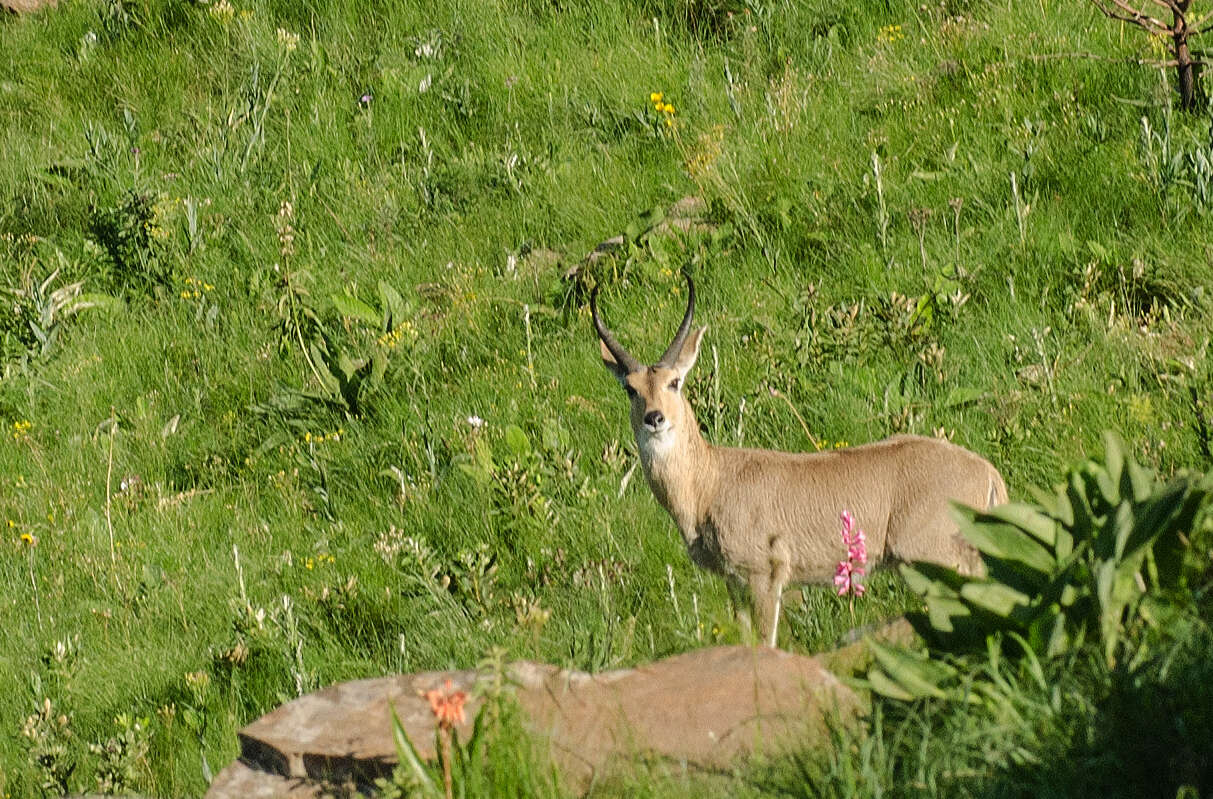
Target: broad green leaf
378	367
944	613
516	440
1118	527
1053	503
410	760
1127	584
885	686
355	308
1083	525
1110	608
1136	483
1114	459
1017	576
931	579
918	674
644	223
1172	510
1004	541
1105	578
1101	488
1027	518
393	306
320	362
997	598
349	366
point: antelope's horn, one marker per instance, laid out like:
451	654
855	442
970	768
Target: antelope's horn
675	348
622	356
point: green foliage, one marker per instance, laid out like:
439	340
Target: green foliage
132	234
1179	172
47	737
350	378
412	478
123	756
32	314
1093	562
498	759
411	775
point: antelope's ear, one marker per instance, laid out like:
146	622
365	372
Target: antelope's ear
690	351
612	365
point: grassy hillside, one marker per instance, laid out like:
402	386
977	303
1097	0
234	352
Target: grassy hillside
298	379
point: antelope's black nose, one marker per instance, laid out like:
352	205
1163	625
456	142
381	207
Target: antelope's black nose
654	418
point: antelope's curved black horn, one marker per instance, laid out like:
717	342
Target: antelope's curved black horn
622	356
675	348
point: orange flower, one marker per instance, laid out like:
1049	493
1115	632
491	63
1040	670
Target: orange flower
447	705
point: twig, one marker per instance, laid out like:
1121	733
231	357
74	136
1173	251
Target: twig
1144	62
182	496
777	393
530	361
34	582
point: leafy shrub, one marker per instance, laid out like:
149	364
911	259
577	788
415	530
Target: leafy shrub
32	313
133	236
1090	564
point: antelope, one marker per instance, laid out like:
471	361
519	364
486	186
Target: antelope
765	519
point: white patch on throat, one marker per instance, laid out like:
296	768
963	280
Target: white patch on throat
655	446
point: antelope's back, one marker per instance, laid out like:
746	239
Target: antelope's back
933	472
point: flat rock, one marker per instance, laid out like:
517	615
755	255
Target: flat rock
25	6
709	709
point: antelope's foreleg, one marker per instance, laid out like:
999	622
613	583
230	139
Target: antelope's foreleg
742	600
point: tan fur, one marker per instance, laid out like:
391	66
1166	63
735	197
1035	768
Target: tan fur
766	519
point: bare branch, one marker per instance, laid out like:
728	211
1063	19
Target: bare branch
1169	6
1132	15
1144	62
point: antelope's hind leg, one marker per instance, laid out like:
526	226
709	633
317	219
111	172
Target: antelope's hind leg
767	591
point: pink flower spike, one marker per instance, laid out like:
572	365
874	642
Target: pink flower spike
842	577
849	570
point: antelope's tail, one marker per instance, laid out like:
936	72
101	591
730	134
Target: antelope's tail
997	494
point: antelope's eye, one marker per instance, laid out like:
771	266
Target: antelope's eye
675	384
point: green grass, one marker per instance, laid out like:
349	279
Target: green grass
151	149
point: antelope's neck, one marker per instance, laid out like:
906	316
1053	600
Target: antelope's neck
681	471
